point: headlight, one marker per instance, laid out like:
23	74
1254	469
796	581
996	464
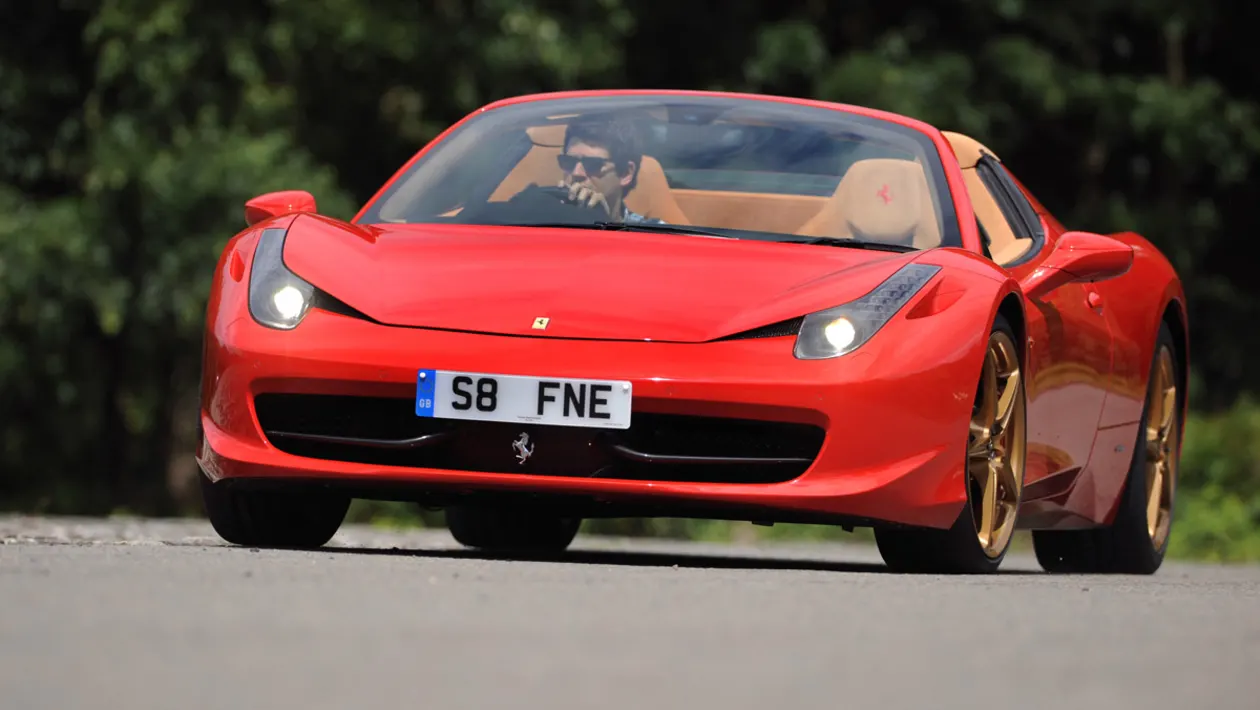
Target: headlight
278	298
843	329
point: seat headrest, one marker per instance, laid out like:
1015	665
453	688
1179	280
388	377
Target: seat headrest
880	199
883	199
550	136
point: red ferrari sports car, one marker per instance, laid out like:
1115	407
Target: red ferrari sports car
692	304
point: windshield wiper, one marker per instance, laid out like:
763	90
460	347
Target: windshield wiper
852	243
662	228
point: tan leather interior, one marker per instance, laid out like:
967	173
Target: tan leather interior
538	167
1004	246
766	211
880	199
651	197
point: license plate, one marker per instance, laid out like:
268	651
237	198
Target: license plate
601	404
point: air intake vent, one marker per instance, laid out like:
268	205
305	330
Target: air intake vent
774	330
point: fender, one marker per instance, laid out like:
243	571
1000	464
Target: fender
981	279
985	290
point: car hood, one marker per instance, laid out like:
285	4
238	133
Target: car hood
586	283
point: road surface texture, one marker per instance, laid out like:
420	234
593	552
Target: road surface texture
134	614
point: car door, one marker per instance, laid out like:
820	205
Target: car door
1069	343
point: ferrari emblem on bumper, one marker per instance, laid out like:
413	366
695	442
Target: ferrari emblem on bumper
541	323
523	448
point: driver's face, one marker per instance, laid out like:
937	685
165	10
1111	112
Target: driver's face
604	179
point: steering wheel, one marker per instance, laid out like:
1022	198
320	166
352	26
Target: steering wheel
544	196
536	203
557	193
552	191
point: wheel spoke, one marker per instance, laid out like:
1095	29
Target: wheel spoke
980	437
988	507
1154	429
1006	404
1168	409
988	393
1010	482
978	469
1155	494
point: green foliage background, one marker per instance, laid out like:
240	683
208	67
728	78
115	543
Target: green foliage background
131	132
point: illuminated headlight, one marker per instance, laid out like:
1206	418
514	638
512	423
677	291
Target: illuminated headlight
278	298
843	329
289	303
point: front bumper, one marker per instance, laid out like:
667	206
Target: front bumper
891	447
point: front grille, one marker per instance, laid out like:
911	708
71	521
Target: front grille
657	447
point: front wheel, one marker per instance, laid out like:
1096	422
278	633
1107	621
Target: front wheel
996	454
296	518
511	531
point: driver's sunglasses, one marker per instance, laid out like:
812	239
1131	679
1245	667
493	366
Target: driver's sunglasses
593	167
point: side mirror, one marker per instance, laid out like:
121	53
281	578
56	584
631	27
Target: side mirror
1079	257
274	204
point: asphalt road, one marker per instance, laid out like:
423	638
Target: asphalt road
115	614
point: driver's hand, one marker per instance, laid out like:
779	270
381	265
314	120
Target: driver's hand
583	194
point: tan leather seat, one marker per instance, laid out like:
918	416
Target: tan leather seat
651	196
883	200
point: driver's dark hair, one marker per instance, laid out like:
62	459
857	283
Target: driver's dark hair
616	135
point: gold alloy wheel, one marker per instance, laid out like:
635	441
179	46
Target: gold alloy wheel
996	447
1161	448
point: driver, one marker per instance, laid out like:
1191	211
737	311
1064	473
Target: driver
600	162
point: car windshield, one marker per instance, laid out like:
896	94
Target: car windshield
728	166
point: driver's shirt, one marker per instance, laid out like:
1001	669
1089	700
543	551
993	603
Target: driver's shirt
629	217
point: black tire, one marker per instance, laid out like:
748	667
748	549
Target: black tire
952	551
510	531
297	518
956	550
1125	546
